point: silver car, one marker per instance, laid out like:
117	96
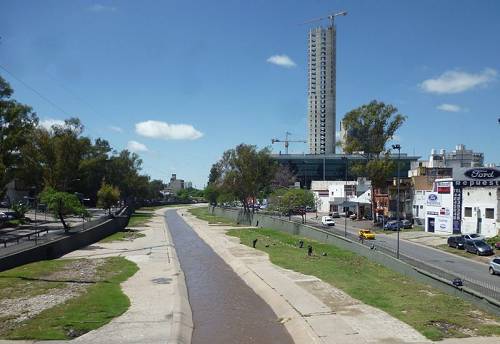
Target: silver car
495	266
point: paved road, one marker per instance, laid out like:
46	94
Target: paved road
470	270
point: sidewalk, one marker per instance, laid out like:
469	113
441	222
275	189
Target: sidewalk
312	311
159	310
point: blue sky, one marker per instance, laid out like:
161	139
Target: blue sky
133	72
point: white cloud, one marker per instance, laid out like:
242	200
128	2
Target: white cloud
165	131
102	8
281	60
114	128
457	81
449	108
135	146
49	122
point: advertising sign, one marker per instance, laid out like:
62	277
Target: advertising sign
457	209
433	199
477	176
443	187
442	224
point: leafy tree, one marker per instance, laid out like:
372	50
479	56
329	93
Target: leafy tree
243	173
16	123
107	196
368	129
288	201
284	177
211	194
20	210
62	204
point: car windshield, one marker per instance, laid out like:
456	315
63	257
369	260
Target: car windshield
474	236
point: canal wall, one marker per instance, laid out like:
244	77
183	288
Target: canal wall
294	228
67	242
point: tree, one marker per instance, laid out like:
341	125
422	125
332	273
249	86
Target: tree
368	129
284	177
107	196
289	201
243	173
16	124
62	204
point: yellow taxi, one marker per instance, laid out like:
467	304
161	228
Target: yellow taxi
366	234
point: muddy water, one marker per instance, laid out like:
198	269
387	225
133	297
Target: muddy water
225	309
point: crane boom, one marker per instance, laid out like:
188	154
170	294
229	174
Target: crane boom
286	141
331	17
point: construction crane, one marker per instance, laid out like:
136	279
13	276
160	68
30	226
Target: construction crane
330	17
286	141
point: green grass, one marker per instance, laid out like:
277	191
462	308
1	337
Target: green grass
126	234
163	206
101	302
434	314
24	280
139	219
492	241
203	214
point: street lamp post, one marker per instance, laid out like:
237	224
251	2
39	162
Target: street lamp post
345	196
398	147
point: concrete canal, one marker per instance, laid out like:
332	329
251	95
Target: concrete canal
225	309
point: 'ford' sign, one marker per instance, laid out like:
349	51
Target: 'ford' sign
433	197
482	173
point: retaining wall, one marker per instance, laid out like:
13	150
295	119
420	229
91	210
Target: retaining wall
294	228
66	243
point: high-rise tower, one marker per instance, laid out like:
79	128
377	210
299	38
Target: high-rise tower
321	96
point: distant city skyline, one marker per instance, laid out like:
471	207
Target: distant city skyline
181	82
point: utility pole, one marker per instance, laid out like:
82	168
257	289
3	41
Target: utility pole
398	147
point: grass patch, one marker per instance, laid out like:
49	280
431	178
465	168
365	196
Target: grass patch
492	241
126	234
139	219
25	280
97	306
434	314
163	206
204	214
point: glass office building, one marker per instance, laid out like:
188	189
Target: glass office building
308	167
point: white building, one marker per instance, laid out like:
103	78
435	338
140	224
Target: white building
460	157
341	196
467	203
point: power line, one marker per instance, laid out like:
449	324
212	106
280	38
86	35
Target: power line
36	92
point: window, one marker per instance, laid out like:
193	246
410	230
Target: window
468	212
489	213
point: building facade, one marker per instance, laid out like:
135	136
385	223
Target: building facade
321	90
465	204
457	158
342	196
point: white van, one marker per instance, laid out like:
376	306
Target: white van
327	221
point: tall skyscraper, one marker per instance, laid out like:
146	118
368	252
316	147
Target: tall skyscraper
321	94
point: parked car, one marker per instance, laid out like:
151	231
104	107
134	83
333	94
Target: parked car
406	224
479	247
392	225
495	266
327	221
366	234
335	215
456	242
473	236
